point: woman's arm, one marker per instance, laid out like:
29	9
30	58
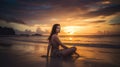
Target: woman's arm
48	49
59	42
77	54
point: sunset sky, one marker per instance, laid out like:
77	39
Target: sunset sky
75	16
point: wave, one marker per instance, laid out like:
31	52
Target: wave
85	43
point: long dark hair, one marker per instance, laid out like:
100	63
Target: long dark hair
53	31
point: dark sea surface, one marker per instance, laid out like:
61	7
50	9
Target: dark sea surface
78	40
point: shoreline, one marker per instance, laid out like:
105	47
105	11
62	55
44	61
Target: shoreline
70	44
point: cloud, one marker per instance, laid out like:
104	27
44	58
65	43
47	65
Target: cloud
25	10
110	10
115	20
98	21
42	11
11	20
14	11
115	1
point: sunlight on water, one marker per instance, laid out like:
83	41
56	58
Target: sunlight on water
70	38
91	40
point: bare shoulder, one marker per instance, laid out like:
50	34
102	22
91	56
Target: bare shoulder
54	36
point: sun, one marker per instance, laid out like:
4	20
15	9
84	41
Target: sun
70	30
70	38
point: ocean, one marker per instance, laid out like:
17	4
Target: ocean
77	40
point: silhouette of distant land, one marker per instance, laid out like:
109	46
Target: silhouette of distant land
24	35
6	31
36	34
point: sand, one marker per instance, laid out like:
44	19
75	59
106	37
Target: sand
17	55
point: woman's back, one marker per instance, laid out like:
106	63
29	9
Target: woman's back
55	46
53	42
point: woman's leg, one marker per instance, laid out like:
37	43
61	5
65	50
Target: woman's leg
68	52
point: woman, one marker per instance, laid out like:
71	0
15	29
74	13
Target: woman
54	44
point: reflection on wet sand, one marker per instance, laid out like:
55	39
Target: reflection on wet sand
30	55
61	62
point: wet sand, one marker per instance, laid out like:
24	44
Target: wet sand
17	55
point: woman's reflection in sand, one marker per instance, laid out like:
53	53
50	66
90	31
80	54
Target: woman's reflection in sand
61	62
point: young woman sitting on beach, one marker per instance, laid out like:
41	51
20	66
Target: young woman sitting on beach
54	43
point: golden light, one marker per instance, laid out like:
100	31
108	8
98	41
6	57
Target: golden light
106	2
70	29
70	38
78	30
71	32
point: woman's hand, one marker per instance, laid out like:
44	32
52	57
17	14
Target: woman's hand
65	47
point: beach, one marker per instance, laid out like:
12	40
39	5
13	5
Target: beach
89	27
29	54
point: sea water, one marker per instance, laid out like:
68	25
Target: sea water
67	40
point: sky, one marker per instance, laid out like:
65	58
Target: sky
76	17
